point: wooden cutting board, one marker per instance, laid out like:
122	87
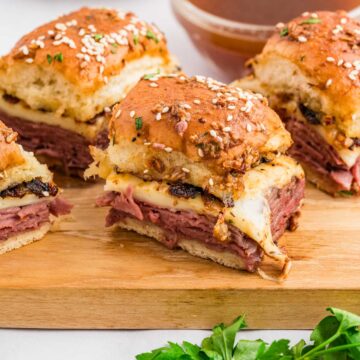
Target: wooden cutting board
86	276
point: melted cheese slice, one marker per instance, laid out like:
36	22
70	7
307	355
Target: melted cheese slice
251	211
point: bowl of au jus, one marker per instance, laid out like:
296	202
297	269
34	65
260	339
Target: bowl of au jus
229	32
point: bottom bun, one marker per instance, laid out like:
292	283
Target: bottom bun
23	239
192	246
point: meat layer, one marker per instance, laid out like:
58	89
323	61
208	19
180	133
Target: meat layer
66	149
17	220
321	160
190	225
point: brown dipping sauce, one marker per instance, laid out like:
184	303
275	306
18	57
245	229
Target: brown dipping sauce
229	47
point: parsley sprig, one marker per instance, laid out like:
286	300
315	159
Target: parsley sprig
336	337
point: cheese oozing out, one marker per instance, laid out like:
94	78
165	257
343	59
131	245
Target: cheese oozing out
250	213
27	171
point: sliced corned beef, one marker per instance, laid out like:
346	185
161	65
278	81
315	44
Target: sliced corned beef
19	219
65	147
187	224
311	150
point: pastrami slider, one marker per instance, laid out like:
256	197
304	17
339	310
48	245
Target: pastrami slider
309	70
29	198
58	81
200	165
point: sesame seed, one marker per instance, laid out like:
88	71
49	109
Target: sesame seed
330	59
197	101
185	170
182	78
230	117
25	50
248	127
168	149
328	83
302	39
147	143
107	109
186	106
45	193
83	64
154	84
29	60
82	32
132	113
158	117
340	62
60	26
347	65
200	152
213	133
51	32
214	101
231	107
118	113
353	74
314	15
158	146
211	182
165	109
279	25
146	171
227	129
343	21
306	13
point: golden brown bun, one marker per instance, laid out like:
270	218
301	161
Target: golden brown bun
10	154
167	124
316	59
77	55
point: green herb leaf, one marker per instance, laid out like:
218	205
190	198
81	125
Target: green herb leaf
151	35
326	328
311	21
297	349
284	31
277	350
138	123
98	37
59	57
347	320
345	193
136	39
248	350
223	338
149	76
49	58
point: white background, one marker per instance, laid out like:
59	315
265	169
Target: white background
16	18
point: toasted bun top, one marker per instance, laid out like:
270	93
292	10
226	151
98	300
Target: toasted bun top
205	121
10	154
88	46
325	46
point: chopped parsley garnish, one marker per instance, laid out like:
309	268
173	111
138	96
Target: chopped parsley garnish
59	57
49	58
151	35
98	37
149	76
114	48
136	39
311	21
138	123
346	193
284	31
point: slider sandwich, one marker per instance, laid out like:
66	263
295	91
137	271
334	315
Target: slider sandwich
309	70
199	165
28	196
60	80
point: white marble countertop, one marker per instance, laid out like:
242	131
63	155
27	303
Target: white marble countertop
16	18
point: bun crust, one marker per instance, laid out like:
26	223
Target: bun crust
321	52
114	37
208	124
83	62
10	153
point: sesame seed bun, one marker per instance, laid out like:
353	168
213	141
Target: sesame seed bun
73	65
196	130
315	59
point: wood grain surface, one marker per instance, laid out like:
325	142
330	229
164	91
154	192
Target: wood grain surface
85	276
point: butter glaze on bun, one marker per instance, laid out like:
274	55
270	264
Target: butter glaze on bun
72	65
194	128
